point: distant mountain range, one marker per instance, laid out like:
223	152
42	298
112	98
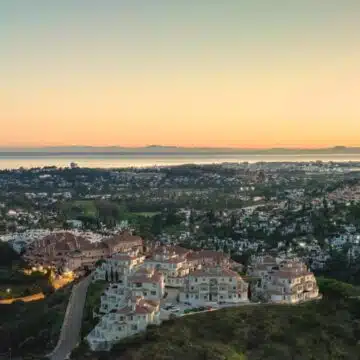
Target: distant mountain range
158	149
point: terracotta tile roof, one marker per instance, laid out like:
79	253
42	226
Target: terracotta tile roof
167	261
123	237
215	272
125	310
142	307
288	274
155	277
123	257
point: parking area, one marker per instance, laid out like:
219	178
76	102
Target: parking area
171	306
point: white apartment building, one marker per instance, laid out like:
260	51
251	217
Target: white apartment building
132	317
147	283
171	264
112	298
288	281
118	265
214	284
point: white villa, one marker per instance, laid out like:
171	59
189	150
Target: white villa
135	314
286	281
215	284
171	262
148	283
119	265
127	307
144	283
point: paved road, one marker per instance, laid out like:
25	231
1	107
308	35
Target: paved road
70	331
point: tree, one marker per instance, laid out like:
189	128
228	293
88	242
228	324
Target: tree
334	289
100	262
211	216
157	224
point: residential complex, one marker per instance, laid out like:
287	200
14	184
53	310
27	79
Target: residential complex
137	286
176	262
70	251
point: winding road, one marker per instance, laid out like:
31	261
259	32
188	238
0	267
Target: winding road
70	331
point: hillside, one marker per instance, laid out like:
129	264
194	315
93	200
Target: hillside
323	330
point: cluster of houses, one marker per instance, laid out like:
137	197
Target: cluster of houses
283	281
138	284
70	251
139	275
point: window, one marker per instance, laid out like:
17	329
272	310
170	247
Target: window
133	327
196	279
187	296
153	292
145	293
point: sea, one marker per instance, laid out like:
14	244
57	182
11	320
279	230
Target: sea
140	160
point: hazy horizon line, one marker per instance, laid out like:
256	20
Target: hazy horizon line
290	147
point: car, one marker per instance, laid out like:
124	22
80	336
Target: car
175	309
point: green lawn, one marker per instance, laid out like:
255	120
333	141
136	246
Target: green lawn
92	303
88	207
145	214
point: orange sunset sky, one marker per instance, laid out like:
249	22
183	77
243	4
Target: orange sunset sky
132	73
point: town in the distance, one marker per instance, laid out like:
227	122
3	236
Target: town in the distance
93	257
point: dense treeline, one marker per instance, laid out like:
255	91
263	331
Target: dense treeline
13	281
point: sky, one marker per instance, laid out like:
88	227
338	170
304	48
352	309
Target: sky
229	73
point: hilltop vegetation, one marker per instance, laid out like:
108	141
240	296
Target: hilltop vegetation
323	330
32	329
